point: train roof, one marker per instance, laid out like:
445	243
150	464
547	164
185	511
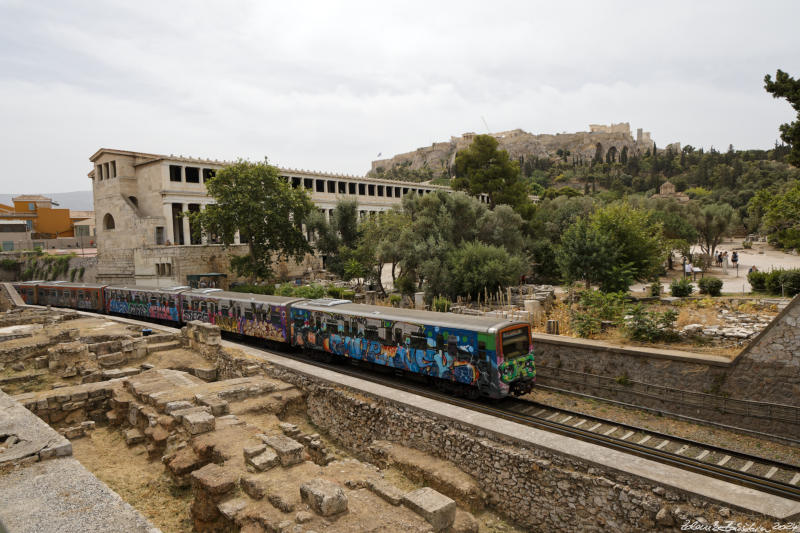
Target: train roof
243	296
141	288
72	285
433	318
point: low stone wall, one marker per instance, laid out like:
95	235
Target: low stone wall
70	405
759	389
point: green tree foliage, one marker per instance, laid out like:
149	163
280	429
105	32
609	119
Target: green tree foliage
483	168
712	222
338	238
613	247
474	267
781	216
268	212
787	87
421	237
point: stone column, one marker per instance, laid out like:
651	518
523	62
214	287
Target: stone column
187	236
203	236
169	231
237	238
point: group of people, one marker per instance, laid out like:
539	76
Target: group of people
721	258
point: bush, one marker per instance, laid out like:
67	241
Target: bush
254	289
335	292
758	280
710	286
441	304
72	273
651	326
782	282
603	305
681	287
9	264
747	245
586	325
655	289
395	299
80	273
312	292
348	295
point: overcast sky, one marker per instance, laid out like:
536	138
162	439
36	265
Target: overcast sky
330	85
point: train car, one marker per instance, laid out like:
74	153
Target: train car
27	290
84	296
254	315
464	354
153	303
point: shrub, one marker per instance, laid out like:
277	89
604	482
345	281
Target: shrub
335	292
406	284
441	304
758	280
655	289
747	245
585	324
710	286
651	326
72	273
9	264
681	287
255	289
80	272
783	282
395	299
348	294
603	305
312	292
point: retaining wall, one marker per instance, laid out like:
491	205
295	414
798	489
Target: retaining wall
759	389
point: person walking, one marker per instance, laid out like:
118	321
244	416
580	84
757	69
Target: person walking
725	262
735	261
688	269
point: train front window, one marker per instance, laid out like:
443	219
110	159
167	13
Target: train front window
516	342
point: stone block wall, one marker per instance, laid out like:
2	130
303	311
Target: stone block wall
70	405
759	389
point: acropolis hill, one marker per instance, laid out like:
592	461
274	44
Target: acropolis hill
609	140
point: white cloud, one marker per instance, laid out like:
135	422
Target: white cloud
327	85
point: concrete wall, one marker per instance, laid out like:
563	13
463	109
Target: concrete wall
759	389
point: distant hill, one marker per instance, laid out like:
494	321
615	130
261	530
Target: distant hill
77	200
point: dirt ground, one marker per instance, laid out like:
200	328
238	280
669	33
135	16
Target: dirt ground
140	482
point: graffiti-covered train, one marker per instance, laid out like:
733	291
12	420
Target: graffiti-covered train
484	356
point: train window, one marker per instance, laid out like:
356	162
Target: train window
318	322
418	342
398	335
452	346
185	305
202	307
248	314
516	342
212	308
224	310
440	341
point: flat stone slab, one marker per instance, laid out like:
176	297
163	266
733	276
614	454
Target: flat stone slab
62	496
325	497
178	405
33	438
386	490
215	479
289	450
435	507
230	508
264	461
199	422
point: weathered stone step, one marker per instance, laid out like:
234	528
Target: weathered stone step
163	346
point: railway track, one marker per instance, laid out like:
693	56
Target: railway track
766	475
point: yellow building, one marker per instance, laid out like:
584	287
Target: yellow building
44	220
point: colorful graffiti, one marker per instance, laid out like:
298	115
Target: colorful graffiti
253	328
519	368
455	360
144	309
